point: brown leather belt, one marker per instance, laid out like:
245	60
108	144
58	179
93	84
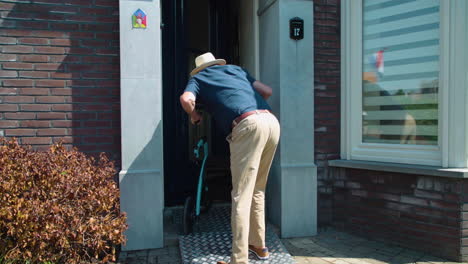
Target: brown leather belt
246	114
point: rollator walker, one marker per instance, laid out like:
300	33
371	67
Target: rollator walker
201	203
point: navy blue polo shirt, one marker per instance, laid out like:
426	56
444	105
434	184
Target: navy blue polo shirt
227	92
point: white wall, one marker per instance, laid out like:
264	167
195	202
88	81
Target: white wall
248	36
288	66
285	64
141	178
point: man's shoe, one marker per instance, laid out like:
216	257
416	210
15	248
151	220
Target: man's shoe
260	253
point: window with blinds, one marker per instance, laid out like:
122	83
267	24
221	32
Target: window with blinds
400	71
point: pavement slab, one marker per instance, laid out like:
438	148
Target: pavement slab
329	246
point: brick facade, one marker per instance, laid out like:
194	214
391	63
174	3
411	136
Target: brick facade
464	221
415	211
327	98
421	212
59	80
59	76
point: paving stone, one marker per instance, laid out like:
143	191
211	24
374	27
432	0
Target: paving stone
340	261
392	250
170	262
141	253
174	250
158	252
316	260
374	261
437	260
140	260
152	260
336	255
299	243
356	261
402	260
362	250
168	258
123	254
328	247
303	260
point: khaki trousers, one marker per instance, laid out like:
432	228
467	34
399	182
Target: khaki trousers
252	145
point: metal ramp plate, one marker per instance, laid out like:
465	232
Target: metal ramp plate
217	219
211	241
208	248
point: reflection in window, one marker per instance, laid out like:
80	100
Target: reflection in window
400	71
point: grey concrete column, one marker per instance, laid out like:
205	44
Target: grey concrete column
141	178
288	66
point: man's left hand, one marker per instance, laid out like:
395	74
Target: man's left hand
195	117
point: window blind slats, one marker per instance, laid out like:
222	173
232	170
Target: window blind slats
394	7
414	140
403	46
412	75
401	51
384	42
404	56
400	25
410	14
400	68
375	2
426	114
400	104
401	100
396	130
421	59
395	86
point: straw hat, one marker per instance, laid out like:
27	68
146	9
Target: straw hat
206	60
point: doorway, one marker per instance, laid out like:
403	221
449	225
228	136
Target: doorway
191	28
147	103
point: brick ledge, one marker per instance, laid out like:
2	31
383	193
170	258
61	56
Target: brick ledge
459	173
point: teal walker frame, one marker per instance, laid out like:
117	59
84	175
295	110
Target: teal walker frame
192	208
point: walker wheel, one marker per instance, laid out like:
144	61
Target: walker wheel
189	215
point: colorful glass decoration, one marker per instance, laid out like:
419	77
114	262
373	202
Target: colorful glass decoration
139	19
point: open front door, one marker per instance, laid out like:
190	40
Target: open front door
191	28
178	177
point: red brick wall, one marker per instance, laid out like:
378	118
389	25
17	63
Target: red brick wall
59	76
327	98
419	212
464	223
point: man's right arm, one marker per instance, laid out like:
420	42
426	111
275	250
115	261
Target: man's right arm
264	90
187	100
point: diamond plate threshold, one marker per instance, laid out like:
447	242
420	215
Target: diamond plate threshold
211	240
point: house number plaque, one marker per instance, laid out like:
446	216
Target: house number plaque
296	28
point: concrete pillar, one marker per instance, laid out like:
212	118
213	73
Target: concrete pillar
141	178
288	66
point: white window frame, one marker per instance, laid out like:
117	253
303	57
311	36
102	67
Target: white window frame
452	149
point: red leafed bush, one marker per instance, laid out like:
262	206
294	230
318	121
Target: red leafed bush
58	206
